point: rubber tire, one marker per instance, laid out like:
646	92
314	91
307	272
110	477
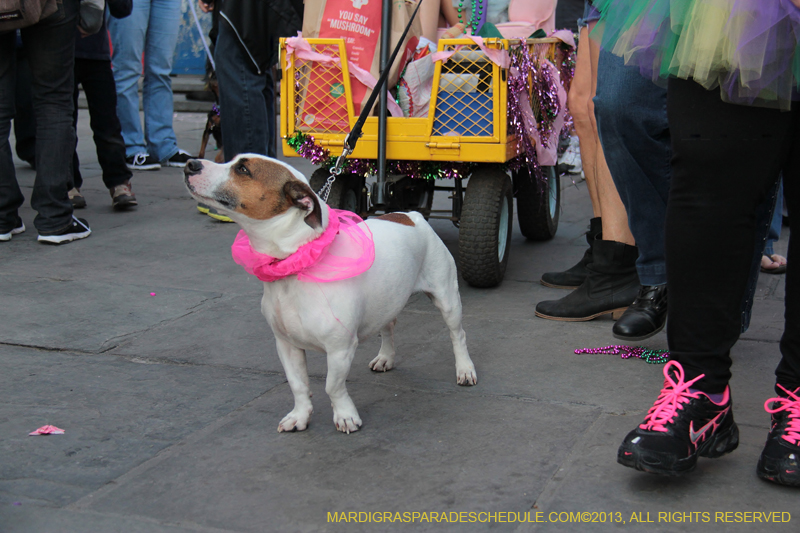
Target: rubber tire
536	221
344	191
479	234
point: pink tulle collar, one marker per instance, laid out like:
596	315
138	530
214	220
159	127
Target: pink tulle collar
344	250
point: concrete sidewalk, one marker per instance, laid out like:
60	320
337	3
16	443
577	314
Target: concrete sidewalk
171	401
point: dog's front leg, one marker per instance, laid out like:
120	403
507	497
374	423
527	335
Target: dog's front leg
293	360
345	414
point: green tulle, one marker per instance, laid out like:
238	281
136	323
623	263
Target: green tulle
748	48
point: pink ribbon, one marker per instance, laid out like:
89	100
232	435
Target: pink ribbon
344	250
301	48
498	56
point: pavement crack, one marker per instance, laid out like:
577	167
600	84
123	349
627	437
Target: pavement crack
555	480
111	344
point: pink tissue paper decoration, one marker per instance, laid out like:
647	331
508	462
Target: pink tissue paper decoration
344	250
47	430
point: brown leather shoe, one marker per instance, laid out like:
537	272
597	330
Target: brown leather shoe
122	196
76	198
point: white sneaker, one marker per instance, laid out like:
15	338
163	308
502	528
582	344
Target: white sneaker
16	231
179	159
79	229
142	161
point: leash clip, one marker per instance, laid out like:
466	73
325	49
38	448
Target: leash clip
335	171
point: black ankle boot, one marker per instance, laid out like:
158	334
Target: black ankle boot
573	277
610	287
645	317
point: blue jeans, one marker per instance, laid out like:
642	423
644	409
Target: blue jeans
50	47
631	116
152	29
246	99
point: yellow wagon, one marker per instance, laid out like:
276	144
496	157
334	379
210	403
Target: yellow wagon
466	129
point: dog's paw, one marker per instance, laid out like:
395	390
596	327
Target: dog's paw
347	422
466	376
382	363
295	421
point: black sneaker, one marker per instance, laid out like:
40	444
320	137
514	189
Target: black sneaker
78	229
780	460
142	161
18	228
680	426
179	159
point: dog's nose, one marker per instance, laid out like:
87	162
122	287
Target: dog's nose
193	166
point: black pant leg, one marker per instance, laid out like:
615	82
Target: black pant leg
788	371
101	95
725	160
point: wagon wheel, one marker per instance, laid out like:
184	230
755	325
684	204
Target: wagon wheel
484	237
344	191
538	203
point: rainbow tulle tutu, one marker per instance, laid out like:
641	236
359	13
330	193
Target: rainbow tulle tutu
750	49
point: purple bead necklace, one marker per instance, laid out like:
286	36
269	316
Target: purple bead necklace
653	357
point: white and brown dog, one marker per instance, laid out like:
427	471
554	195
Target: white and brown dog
279	212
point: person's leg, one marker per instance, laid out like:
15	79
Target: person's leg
768	262
581	107
615	219
50	46
788	371
778	460
611	284
127	42
763	220
272	124
243	110
10	194
77	178
632	122
579	101
101	97
24	121
726	160
162	37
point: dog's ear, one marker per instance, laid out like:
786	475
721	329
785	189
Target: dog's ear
301	196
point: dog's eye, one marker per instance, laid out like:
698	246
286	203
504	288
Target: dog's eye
241	169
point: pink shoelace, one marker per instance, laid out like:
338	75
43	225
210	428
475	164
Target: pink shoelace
792	406
674	394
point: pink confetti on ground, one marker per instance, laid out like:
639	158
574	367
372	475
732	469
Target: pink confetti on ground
152	294
47	430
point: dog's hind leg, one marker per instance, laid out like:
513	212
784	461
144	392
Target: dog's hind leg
440	283
293	360
385	359
345	414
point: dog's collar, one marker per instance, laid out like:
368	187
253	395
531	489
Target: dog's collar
344	250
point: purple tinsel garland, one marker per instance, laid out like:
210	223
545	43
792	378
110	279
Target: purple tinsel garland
567	71
521	66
